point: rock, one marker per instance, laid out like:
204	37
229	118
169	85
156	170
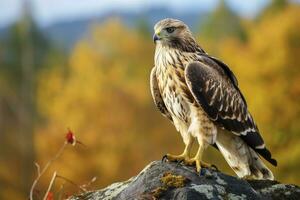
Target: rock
165	180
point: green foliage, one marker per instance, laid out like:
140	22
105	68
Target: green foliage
143	27
24	52
223	23
275	6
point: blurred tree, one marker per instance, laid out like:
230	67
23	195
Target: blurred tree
143	27
18	69
274	8
25	51
222	23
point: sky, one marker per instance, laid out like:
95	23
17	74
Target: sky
50	11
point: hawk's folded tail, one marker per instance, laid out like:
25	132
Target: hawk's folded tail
244	161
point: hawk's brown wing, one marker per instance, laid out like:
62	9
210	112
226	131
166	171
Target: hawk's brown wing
157	96
217	93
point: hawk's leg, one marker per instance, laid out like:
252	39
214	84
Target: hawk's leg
197	160
185	155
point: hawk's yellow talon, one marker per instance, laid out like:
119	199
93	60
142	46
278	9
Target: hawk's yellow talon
198	164
176	158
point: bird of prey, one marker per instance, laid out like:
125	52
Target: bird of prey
199	94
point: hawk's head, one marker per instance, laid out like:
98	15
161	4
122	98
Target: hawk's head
174	33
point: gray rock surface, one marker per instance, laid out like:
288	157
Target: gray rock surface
164	180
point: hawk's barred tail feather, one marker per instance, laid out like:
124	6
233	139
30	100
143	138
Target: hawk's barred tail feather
267	155
244	161
254	140
257	167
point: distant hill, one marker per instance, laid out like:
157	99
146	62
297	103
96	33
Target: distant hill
66	33
69	32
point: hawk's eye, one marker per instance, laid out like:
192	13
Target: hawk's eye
170	29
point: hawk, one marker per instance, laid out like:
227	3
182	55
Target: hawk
199	94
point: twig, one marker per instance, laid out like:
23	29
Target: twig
38	168
40	173
60	191
50	185
72	183
89	183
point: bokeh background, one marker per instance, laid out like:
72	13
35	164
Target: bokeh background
86	64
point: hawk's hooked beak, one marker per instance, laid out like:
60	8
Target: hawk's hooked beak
155	37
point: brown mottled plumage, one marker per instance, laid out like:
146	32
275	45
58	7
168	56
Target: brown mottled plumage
200	95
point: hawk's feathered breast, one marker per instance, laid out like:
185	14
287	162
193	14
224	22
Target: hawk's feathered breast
170	73
170	76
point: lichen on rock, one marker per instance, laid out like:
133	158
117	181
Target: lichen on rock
169	181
